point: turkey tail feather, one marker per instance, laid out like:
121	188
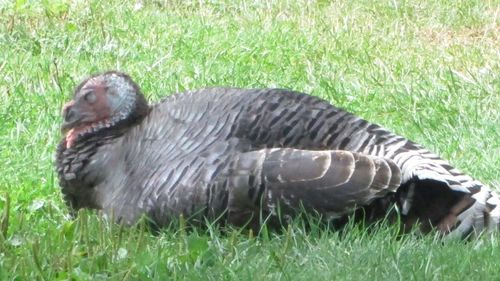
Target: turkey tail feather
475	207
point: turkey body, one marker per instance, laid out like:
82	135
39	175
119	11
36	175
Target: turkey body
237	155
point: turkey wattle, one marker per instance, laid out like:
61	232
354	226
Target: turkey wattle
241	155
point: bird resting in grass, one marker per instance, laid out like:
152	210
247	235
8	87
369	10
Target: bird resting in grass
245	156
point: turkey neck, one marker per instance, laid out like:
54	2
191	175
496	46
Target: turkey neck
84	166
77	180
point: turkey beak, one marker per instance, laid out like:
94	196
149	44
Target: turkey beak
70	116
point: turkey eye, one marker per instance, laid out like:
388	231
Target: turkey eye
89	97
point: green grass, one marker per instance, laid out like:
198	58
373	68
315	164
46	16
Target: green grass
428	70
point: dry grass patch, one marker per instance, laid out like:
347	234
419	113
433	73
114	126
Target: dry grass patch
446	37
487	34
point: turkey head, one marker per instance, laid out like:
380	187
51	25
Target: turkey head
102	103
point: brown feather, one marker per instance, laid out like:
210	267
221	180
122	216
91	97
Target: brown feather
331	183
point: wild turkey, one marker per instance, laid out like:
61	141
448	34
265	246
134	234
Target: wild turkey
241	155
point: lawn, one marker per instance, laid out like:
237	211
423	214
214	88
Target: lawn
428	70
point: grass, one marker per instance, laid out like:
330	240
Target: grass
428	70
